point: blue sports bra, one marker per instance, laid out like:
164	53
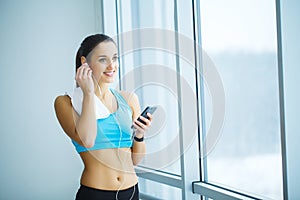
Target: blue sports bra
113	131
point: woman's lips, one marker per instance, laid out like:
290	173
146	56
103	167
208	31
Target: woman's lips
110	74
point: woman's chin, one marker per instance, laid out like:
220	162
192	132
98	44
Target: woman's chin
107	80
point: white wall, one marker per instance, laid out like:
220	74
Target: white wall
291	47
38	41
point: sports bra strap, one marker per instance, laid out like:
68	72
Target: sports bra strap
120	99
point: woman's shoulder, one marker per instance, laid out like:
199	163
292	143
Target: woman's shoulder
62	100
130	97
132	100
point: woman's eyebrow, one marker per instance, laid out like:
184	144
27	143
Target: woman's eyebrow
116	54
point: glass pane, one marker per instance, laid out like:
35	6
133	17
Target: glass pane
240	38
159	190
109	13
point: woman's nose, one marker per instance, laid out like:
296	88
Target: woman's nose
111	65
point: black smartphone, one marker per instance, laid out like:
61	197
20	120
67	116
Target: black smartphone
148	109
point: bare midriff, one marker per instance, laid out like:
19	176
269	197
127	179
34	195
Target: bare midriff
108	169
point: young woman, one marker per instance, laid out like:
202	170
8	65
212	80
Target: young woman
102	124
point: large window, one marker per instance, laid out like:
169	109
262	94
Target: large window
211	67
240	37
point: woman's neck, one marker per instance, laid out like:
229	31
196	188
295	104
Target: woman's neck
101	90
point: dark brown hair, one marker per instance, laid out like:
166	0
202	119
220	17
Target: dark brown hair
88	44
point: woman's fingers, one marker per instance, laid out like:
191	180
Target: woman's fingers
79	73
139	127
87	71
150	117
84	78
83	72
89	74
143	125
145	120
140	124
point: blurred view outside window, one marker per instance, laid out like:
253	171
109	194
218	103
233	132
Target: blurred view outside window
240	38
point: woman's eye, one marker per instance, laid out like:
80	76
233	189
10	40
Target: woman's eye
102	60
115	59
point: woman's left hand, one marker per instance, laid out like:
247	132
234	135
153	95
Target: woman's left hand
141	128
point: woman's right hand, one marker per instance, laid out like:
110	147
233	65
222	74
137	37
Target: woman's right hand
84	79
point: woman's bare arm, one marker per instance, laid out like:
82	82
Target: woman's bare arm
138	148
83	128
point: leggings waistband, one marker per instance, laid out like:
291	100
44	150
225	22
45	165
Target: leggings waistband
89	193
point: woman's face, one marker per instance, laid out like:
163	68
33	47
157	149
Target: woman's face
104	62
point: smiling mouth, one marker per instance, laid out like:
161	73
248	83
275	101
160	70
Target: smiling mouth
110	74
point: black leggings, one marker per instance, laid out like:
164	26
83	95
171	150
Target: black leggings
88	193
